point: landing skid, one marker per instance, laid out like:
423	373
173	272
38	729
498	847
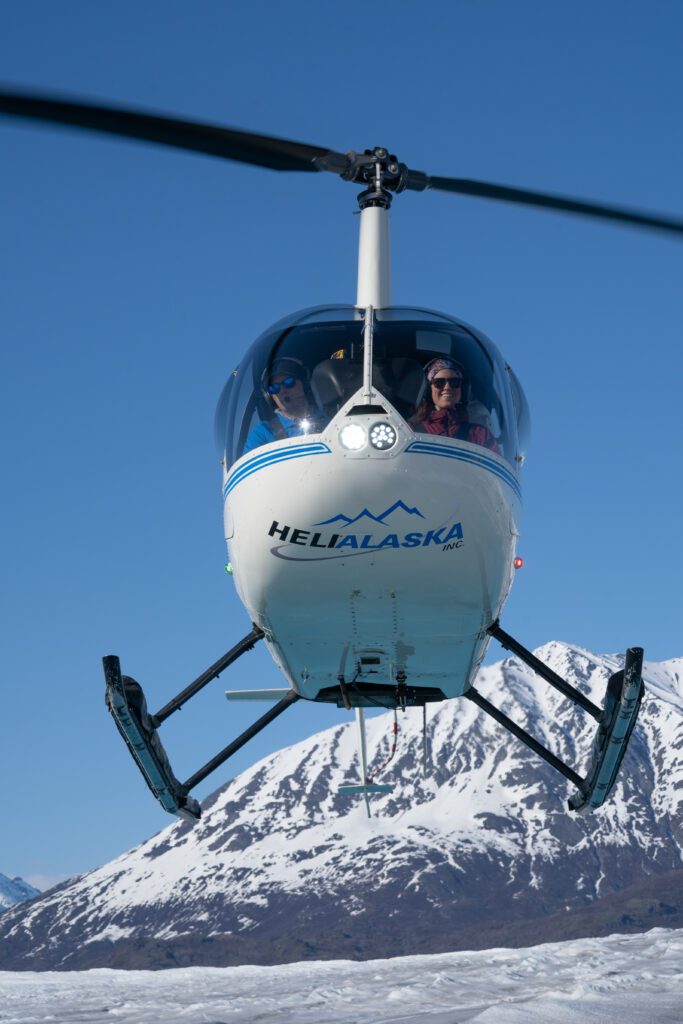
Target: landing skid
128	706
616	720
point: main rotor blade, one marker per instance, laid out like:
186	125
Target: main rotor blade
467	187
285	155
245	147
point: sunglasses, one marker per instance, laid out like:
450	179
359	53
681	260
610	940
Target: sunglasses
288	382
440	382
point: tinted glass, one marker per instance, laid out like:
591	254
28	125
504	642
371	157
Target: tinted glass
313	359
410	345
297	376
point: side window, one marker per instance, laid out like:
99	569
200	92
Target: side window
245	406
521	412
223	420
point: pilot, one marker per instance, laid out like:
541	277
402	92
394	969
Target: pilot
285	386
443	409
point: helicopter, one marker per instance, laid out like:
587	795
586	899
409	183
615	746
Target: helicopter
344	500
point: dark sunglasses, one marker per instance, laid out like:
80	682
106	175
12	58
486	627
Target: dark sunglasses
440	382
288	382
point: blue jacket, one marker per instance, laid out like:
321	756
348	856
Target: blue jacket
263	432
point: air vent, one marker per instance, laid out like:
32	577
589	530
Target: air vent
367	410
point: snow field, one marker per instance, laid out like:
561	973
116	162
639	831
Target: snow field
622	979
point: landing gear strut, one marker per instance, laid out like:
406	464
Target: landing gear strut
616	720
126	701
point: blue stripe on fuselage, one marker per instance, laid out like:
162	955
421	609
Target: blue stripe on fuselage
474	458
264	460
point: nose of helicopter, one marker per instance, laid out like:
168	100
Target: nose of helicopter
336	554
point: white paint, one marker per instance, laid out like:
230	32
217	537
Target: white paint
368	343
425	606
363	754
374	259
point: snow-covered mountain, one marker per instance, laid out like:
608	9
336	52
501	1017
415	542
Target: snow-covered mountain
15	890
481	852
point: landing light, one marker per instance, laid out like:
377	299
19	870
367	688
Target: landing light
382	436
518	563
352	437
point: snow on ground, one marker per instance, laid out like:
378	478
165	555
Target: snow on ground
629	979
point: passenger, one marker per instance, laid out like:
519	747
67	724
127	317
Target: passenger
285	386
443	409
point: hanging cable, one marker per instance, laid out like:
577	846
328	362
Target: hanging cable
391	752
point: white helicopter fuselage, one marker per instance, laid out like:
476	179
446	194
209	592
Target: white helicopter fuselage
373	566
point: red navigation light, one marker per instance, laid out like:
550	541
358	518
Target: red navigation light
518	563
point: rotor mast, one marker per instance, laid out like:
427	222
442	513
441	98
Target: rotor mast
374	256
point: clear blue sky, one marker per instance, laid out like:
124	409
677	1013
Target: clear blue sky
133	277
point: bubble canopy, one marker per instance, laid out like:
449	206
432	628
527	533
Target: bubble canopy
296	377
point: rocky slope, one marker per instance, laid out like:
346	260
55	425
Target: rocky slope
480	852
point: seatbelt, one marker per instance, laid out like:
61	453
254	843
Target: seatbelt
275	425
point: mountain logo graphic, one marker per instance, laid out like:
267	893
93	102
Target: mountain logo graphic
343	521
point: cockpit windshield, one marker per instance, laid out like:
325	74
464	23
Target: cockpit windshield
441	376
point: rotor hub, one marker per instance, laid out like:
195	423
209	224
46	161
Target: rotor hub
380	171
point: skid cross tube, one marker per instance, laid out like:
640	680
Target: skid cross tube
510	644
243	738
212	672
524	736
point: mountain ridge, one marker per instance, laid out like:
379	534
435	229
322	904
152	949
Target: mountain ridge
15	890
